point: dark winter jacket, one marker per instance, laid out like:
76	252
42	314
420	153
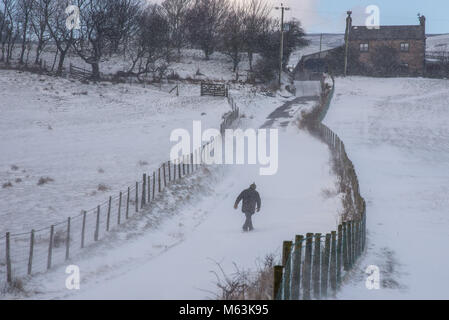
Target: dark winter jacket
250	198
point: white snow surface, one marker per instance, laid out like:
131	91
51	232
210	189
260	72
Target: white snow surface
82	136
175	255
396	133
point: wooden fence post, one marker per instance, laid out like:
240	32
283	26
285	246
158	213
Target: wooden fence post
277	282
356	240
67	240
316	266
119	208
339	253
97	225
149	189
350	243
169	171
30	256
325	266
191	162
137	197
179	168
333	263
174	170
8	258
345	246
154	184
159	180
307	271
83	229
196	159
50	247
165	177
296	268
108	218
184	166
144	190
127	204
286	262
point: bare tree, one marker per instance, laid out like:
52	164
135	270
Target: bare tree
151	42
62	37
124	14
10	29
39	21
256	22
176	11
233	36
25	8
204	22
100	30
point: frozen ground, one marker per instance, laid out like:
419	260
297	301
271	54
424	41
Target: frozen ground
396	132
176	258
191	64
438	43
83	136
329	41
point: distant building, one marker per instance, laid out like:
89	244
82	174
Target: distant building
409	41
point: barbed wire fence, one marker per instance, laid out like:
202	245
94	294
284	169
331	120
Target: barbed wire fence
314	266
37	251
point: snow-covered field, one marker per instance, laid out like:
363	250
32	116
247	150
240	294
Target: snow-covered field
396	133
329	41
438	43
175	256
191	64
83	136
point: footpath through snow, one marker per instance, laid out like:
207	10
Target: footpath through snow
396	133
177	259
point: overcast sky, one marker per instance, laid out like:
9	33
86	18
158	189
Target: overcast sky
328	16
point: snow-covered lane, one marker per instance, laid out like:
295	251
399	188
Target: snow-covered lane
177	259
292	204
396	133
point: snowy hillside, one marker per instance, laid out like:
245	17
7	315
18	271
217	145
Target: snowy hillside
191	65
328	41
396	133
91	140
205	230
438	43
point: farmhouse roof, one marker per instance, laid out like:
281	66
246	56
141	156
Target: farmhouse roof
416	32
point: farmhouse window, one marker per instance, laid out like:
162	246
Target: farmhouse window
364	47
405	46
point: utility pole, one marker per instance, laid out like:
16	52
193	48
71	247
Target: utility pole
321	44
348	30
283	9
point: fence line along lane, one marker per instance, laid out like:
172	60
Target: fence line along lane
317	271
39	250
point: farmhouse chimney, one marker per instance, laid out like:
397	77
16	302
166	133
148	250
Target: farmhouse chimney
422	22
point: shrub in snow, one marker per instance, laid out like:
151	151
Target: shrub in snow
103	188
7	185
43	181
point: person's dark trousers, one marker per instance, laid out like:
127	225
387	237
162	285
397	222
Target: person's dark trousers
248	226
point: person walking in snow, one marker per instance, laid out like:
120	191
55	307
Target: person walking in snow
251	203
